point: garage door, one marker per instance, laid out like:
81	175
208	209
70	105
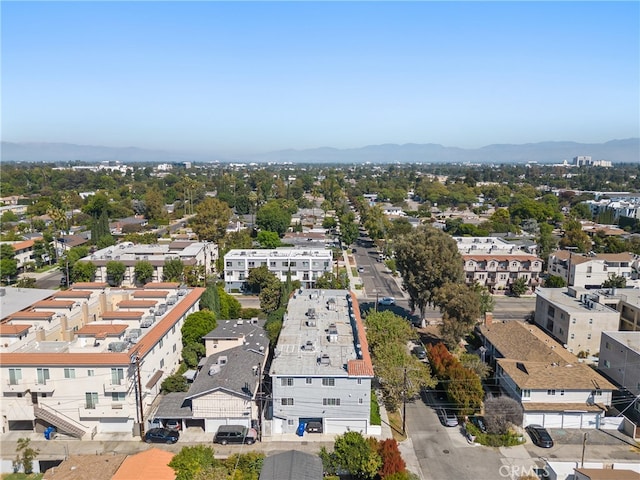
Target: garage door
533	419
552	420
572	420
341	426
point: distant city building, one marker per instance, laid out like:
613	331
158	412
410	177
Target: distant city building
586	161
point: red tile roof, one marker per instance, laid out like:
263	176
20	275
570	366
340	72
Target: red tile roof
102	331
30	315
521	257
172	285
152	464
72	294
363	367
94	285
119	314
53	304
150	294
137	303
7	330
25	244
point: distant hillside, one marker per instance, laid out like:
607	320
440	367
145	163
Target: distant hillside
616	151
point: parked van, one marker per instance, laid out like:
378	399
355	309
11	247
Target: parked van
235	434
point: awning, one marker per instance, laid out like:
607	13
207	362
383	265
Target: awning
154	379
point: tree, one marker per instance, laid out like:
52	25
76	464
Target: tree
473	362
174	383
273	217
172	270
352	452
460	307
268	239
154	205
192	353
270	296
26	282
427	259
230	307
519	287
83	272
115	272
348	228
555	281
392	462
196	326
615	281
190	461
259	278
464	388
25	455
211	220
500	413
210	300
143	271
387	327
8	262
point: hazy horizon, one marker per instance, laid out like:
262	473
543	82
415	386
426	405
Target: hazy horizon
254	77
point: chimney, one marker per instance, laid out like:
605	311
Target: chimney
488	319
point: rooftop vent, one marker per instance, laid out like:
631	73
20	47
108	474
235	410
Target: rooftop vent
118	346
324	359
213	369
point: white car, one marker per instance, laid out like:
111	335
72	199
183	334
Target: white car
387	301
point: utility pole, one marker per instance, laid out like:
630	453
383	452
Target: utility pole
259	395
584	446
135	360
404	404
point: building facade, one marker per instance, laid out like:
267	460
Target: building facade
590	271
573	318
322	369
305	265
75	360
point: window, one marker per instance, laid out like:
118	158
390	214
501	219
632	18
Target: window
15	375
331	401
588	336
292	264
526	394
590	321
173	329
91	373
607	346
91	400
290	422
229	264
360	401
162	363
551	311
359	381
561	392
286	401
272	264
118	397
597	393
286	382
69	373
161	342
607	364
551	392
43	375
328	382
174	348
117	375
573	320
573	335
308	381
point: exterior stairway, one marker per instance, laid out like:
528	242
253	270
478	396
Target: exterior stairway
62	423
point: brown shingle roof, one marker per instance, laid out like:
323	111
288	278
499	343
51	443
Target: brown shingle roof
560	407
608	474
82	467
544	375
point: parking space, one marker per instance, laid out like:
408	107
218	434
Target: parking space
594	437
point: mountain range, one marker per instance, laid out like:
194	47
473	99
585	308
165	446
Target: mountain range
616	151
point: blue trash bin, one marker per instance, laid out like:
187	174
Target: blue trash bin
49	433
300	430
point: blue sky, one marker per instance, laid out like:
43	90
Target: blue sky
244	77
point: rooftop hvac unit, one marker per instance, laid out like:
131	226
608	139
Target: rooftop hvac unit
172	300
117	346
324	359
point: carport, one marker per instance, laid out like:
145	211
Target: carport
562	415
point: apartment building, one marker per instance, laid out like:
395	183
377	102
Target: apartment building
554	388
305	265
590	271
190	253
496	264
75	360
23	252
574	318
322	370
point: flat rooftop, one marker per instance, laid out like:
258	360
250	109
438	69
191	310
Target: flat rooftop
13	299
317	336
280	253
561	296
630	339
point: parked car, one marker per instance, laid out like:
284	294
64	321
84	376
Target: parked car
540	436
448	418
360	269
314	427
235	434
387	301
479	422
161	435
173	424
420	352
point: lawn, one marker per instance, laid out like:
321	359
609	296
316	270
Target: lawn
22	476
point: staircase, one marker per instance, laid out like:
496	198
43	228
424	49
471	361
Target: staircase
62	423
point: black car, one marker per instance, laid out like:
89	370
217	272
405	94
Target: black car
314	427
540	436
479	422
161	435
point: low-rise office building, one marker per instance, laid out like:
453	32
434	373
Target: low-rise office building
322	370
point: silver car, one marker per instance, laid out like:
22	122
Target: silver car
448	418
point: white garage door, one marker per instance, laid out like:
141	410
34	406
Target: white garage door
533	419
552	420
572	420
341	426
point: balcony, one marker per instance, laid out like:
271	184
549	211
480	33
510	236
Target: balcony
19	386
45	387
122	387
107	410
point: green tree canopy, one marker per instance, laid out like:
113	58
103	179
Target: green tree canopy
460	307
143	271
83	272
197	325
268	239
190	461
519	287
427	259
173	270
353	453
554	281
211	220
273	217
115	272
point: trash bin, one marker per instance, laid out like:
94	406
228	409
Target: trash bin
49	433
300	430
